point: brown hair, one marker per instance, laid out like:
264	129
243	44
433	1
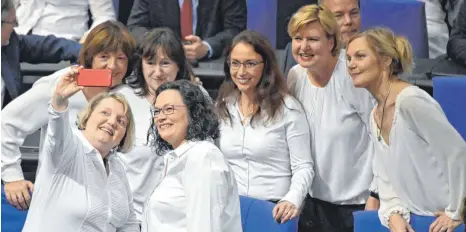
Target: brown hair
127	142
110	36
314	13
271	89
383	42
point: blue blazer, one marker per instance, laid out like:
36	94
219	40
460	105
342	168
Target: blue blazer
32	49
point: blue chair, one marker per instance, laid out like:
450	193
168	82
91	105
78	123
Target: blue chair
450	93
403	17
368	221
12	219
256	216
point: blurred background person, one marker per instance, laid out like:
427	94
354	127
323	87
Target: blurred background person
160	59
338	117
206	27
108	46
81	181
27	48
457	42
347	14
63	18
264	132
198	191
419	159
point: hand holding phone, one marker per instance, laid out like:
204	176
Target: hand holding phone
95	78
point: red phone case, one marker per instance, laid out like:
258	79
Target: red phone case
95	77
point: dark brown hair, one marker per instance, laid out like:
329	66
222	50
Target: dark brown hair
110	36
271	89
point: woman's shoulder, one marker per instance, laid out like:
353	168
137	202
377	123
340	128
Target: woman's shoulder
412	97
291	103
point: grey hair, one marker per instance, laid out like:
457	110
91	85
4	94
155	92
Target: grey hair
7	5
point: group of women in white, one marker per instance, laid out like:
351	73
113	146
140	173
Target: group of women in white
155	153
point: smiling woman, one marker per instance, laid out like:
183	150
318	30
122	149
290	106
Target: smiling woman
198	189
81	180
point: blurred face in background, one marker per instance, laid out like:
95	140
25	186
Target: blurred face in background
348	16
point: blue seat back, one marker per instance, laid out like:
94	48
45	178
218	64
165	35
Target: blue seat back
12	219
450	93
403	17
256	216
368	221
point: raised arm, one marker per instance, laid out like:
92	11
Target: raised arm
302	166
47	49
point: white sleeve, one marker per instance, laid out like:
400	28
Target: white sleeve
207	190
299	145
60	143
21	117
102	11
390	203
427	120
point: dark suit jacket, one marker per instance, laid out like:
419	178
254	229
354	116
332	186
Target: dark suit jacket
218	21
32	49
456	47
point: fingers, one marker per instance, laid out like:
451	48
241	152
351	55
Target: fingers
284	211
192	38
30	186
22	199
410	229
433	225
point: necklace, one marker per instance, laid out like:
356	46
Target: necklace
249	113
379	129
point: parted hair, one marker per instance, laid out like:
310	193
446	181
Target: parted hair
383	42
203	123
315	13
110	36
168	43
270	91
126	142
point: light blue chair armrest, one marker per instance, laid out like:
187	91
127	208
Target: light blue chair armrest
12	219
256	216
368	221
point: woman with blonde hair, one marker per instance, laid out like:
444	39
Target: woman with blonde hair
338	115
419	164
81	184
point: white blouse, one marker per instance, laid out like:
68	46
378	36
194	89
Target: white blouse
72	190
25	115
338	117
143	166
198	193
423	170
62	18
271	161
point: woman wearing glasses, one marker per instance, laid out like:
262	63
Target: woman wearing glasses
338	115
198	190
160	59
264	133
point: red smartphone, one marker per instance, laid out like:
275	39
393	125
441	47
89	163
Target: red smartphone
95	77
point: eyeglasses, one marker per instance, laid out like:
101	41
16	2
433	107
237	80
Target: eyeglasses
250	64
14	23
167	110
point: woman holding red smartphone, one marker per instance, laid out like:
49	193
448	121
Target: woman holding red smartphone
108	46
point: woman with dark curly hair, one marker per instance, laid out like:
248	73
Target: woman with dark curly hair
160	59
264	132
198	189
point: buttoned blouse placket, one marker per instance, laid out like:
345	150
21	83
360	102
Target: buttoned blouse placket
244	126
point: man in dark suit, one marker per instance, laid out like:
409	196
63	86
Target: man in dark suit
27	48
206	26
457	43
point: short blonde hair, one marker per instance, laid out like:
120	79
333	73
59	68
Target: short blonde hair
311	13
384	42
127	142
